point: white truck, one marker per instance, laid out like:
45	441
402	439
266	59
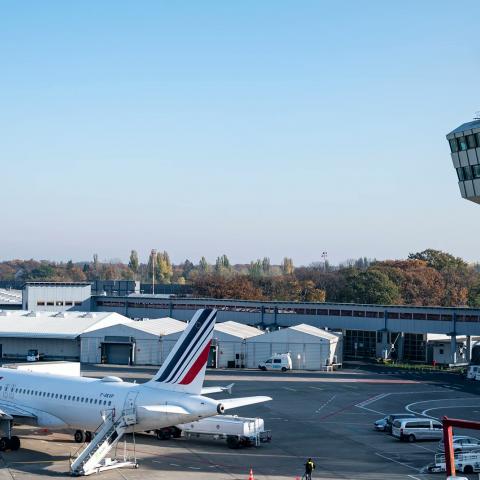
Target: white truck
464	462
278	361
236	431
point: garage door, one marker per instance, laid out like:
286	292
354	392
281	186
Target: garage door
118	353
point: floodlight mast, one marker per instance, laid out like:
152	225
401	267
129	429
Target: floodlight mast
448	424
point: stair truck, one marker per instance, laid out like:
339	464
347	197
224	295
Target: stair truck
234	430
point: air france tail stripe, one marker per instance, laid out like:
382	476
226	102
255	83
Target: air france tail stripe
192	351
197	366
187	355
186	342
192	357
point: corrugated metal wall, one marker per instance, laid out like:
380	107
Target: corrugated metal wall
51	347
305	356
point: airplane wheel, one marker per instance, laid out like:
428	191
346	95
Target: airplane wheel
14	443
88	437
3	444
79	436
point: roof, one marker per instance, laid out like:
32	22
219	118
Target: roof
237	329
57	284
465	126
64	325
316	332
158	326
298	333
10	296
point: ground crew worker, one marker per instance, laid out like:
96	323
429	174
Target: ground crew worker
309	468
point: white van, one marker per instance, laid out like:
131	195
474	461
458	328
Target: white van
413	429
278	361
472	372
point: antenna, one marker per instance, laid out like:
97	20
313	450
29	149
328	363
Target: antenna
477	115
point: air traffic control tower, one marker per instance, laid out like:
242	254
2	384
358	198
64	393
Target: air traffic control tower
465	150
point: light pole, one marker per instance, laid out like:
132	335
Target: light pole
324	256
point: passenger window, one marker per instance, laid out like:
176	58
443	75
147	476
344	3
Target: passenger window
104	402
91	400
44	393
56	395
109	403
268	361
96	401
437	425
277	360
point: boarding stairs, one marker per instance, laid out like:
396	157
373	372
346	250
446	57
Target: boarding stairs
93	458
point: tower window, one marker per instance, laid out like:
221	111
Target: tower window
453	145
471	142
462	143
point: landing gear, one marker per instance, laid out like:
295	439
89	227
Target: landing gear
12	443
79	436
88	437
8	441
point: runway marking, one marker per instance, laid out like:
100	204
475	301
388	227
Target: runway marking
174	465
410	409
291	389
370	400
411	476
423	448
325	404
446	407
317	388
194	468
396	461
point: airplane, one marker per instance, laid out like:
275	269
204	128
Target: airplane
173	396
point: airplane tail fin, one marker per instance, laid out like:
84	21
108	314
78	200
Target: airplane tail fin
184	368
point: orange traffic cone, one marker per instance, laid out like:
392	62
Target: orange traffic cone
251	477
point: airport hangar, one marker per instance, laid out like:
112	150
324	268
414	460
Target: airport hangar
368	330
111	338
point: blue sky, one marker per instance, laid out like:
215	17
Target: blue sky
253	128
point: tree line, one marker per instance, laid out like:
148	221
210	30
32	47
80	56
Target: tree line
430	277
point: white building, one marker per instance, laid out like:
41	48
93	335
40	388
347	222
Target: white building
311	348
55	334
229	344
440	349
146	342
57	296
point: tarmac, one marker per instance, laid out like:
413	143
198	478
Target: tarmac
327	416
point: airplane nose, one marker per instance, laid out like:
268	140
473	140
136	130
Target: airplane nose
220	408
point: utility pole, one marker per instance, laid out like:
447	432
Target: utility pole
154	260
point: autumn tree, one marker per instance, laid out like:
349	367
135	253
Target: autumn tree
287	266
133	262
266	266
203	266
255	269
222	265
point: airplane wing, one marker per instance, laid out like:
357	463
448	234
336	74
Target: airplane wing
208	390
14	412
230	403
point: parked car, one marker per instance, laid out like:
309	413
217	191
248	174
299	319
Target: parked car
278	361
472	372
385	423
417	428
34	356
461	443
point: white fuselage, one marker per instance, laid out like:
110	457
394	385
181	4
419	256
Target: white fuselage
60	402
